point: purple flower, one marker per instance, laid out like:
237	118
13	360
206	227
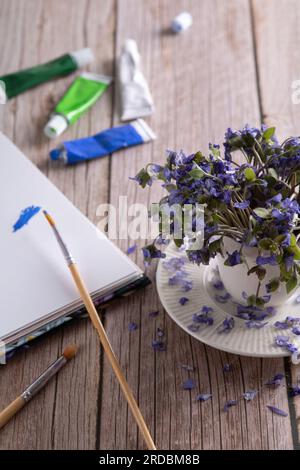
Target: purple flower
286	242
255	324
292	320
281	325
262	260
203	397
156	168
132	326
226	326
227	368
187	286
189	384
160	333
275	199
250	395
288	261
202	318
131	249
229	404
153	314
295	390
222	299
183	300
177	279
193	328
277	411
218	285
174	264
276	380
158	345
296	330
233	258
205	309
291	348
242	205
281	340
151	252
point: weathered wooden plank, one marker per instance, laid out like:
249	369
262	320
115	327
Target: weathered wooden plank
202	81
278	40
65	414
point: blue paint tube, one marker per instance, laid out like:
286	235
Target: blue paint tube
104	143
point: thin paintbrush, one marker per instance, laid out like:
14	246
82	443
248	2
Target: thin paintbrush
84	293
36	386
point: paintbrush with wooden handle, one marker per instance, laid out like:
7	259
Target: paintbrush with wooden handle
87	300
36	386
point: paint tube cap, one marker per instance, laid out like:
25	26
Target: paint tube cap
182	22
55	126
83	57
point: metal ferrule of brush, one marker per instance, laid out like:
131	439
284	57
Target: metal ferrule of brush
68	256
41	381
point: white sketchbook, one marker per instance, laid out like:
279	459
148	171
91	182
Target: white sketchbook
35	284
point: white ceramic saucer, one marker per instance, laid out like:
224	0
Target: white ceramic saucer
240	339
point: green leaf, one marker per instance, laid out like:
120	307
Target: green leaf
259	271
178	242
280	238
267	244
257	301
293	240
248	139
144	177
196	173
216	246
291	283
273	285
249	174
262	212
260	302
236	142
272	172
295	250
268	134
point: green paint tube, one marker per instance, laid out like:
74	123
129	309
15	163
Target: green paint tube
82	94
18	82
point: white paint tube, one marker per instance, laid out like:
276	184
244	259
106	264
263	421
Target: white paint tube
135	96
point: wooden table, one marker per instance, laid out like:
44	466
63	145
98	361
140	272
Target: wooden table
234	66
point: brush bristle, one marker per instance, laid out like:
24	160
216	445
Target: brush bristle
70	351
49	218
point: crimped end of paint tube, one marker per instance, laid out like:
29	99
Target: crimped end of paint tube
55	126
143	129
83	57
3	97
58	155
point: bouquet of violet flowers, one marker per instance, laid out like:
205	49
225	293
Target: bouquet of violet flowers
253	200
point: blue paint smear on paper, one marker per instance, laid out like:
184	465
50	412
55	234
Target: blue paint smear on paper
25	216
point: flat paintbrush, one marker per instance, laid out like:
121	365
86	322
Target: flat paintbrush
36	386
87	300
